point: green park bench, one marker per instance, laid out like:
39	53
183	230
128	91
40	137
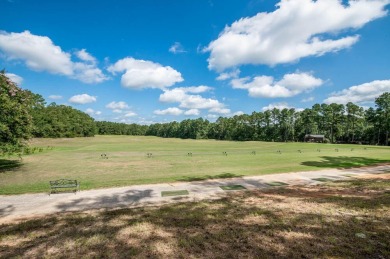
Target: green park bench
64	184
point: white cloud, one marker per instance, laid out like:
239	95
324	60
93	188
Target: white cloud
180	94
170	111
363	93
238	113
15	78
91	111
219	110
189	98
145	74
82	99
177	48
85	56
296	29
265	86
88	73
121	108
130	114
280	106
41	54
196	89
228	75
38	52
55	97
192	112
191	101
117	106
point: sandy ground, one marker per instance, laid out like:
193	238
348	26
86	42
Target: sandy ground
20	207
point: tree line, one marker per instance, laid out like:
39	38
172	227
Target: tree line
339	123
24	115
115	128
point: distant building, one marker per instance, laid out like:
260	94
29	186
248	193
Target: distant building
314	138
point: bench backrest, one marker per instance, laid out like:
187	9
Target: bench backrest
63	182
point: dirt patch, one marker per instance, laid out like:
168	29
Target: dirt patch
348	219
375	176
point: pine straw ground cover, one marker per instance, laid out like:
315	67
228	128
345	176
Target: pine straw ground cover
348	219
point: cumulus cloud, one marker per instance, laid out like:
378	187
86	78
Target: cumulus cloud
363	93
266	86
85	56
130	114
181	93
121	108
41	54
188	98
140	74
14	78
228	75
177	48
238	113
219	110
55	97
192	112
91	111
82	99
280	106
88	73
170	111
117	105
296	29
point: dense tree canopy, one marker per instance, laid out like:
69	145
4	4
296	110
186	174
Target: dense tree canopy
58	121
339	123
383	111
23	115
15	115
114	128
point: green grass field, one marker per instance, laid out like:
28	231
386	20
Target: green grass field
128	163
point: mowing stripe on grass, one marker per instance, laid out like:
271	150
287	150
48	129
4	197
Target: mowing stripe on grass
277	184
232	187
174	193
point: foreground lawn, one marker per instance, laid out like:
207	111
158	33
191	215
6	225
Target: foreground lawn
347	219
169	161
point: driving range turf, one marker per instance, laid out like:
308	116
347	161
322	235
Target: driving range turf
170	160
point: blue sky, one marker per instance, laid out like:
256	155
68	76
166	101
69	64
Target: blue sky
158	61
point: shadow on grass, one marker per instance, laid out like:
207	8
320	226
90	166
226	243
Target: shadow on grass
208	177
128	198
8	165
343	162
274	223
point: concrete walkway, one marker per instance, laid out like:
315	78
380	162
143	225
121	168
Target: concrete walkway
31	205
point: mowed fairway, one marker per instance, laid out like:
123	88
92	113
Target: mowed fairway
128	163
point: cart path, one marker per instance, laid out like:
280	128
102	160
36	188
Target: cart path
19	207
